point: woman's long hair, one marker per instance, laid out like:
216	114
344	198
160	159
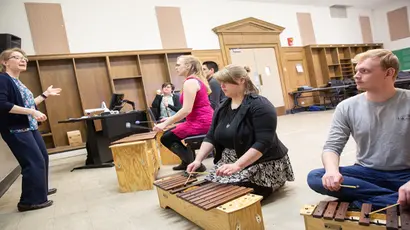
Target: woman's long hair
195	68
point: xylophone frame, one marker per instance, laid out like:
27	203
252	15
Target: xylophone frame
333	215
241	213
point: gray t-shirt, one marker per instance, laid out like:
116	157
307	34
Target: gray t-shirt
381	130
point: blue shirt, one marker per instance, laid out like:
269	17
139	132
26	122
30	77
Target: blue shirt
28	100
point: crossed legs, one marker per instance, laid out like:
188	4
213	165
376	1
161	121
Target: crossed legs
380	188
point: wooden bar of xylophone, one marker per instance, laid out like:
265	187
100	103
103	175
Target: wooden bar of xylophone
335	215
211	205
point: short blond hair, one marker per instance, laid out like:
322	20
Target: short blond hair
5	55
387	59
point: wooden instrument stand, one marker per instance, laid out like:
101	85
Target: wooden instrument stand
333	215
136	161
211	205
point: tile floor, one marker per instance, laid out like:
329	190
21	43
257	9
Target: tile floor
89	199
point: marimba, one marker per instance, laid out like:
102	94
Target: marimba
211	205
335	215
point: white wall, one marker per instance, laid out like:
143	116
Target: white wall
381	32
93	27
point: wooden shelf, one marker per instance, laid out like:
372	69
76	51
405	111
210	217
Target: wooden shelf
334	61
65	148
127	77
88	79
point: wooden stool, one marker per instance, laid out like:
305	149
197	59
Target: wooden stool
167	157
136	161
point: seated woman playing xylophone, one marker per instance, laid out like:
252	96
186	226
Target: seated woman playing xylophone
248	151
379	121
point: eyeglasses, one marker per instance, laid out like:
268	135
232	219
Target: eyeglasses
19	58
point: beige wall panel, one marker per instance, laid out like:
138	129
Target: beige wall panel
47	28
366	29
398	24
307	33
171	28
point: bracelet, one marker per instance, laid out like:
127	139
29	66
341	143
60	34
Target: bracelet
44	96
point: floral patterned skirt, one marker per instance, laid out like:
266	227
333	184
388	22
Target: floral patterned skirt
272	174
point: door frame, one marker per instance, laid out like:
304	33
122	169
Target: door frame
253	33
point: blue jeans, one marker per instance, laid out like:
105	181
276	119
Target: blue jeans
379	188
31	153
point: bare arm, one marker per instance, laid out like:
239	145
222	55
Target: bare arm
21	110
204	151
190	88
248	158
330	161
39	99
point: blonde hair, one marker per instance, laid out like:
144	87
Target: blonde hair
386	57
5	55
233	73
195	68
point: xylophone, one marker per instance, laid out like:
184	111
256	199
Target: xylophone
335	215
211	205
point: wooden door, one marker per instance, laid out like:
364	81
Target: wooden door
264	71
267	67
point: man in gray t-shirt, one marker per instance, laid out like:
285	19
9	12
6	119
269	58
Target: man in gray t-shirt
379	122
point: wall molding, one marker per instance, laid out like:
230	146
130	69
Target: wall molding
8	181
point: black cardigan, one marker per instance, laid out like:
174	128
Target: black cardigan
255	125
9	96
157	102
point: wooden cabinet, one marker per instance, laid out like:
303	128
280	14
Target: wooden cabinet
88	79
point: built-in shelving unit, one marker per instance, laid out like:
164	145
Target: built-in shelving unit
327	62
88	79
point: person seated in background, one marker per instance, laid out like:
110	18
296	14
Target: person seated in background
196	108
243	133
166	103
379	121
217	95
19	117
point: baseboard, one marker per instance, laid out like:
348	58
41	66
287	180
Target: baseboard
280	111
9	180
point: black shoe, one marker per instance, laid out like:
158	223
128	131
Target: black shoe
51	191
201	168
25	207
182	166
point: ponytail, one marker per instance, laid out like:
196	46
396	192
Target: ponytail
250	87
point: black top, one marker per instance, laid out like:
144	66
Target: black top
224	132
157	103
253	126
217	95
9	96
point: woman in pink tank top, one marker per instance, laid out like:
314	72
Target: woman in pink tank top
196	108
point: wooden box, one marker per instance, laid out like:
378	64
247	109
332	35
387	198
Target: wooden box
74	138
136	162
167	157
